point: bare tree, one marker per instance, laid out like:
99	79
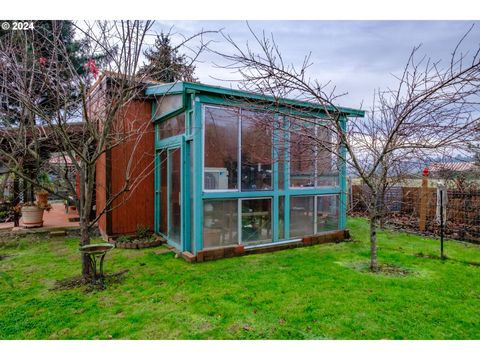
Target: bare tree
84	124
434	106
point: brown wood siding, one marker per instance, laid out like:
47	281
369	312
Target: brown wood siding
133	159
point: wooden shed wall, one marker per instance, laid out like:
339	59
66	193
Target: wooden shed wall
133	159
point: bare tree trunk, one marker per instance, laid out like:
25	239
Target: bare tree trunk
382	209
373	244
85	240
84	213
3	185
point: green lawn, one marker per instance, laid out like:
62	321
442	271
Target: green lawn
319	292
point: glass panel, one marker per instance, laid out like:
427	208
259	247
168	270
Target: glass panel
192	213
256	145
327	165
221	148
163	193
171	127
281	159
256	221
327	213
167	104
301	216
220	223
281	218
302	154
174	231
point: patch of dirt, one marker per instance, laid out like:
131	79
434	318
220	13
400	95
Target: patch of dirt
59	248
163	251
13	237
129	253
236	328
430	256
69	283
79	282
383	269
392	270
178	298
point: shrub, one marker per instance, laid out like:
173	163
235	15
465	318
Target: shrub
124	238
143	231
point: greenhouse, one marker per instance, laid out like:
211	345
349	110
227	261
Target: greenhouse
231	172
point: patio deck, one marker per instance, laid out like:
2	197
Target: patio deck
56	218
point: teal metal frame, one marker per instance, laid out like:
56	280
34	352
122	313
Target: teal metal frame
195	97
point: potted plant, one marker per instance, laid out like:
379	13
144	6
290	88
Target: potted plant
32	213
41	195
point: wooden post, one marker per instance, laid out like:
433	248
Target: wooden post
424	193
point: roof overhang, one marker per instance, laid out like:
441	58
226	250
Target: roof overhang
193	88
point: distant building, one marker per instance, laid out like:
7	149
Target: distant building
452	170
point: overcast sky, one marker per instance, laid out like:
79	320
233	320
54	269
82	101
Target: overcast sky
357	56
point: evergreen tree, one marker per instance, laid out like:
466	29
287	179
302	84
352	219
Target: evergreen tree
165	64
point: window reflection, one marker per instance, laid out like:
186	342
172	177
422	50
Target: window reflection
281	217
256	221
327	165
221	148
313	162
167	104
256	166
327	213
301	216
302	155
171	127
220	227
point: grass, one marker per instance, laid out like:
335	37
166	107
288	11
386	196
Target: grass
319	292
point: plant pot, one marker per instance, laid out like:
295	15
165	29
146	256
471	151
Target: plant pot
32	216
41	197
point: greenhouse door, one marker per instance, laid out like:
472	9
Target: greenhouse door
170	195
174	198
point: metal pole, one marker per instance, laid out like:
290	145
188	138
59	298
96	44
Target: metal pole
441	223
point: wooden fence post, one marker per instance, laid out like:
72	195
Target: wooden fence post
424	194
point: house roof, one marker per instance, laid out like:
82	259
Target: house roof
453	166
60	160
187	87
106	74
